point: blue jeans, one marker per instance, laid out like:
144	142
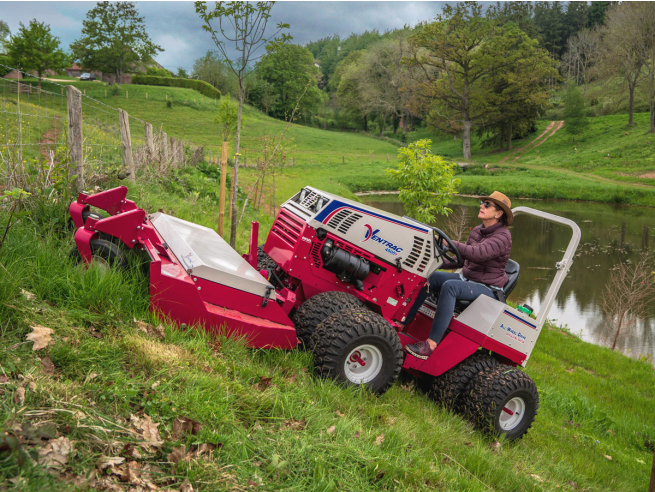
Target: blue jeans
450	287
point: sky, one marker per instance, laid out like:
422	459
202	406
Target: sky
177	28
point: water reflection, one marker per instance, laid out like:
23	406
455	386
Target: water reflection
610	233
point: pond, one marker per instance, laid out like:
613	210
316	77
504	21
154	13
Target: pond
610	234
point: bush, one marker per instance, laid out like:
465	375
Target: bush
158	72
198	85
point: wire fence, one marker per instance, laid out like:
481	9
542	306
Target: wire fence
38	117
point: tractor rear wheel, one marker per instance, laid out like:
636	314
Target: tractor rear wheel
105	254
264	262
448	388
503	401
358	347
317	309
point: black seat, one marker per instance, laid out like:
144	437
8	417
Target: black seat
512	270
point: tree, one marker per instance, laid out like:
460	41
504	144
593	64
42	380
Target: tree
158	72
549	19
626	295
575	119
523	87
459	53
35	48
5	34
243	25
114	38
425	181
582	53
216	72
623	56
182	73
646	31
287	71
597	13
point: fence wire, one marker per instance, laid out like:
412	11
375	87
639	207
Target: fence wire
34	135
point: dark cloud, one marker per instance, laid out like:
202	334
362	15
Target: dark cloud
176	27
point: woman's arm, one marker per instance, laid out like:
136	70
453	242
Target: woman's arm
485	250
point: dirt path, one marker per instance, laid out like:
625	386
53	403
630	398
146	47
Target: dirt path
553	127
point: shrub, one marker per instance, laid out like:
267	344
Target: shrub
158	72
198	85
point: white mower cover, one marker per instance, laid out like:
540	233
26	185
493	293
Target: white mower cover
205	254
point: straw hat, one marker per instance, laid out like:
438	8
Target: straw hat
503	202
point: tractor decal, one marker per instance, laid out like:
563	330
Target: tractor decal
513	334
334	206
373	234
520	320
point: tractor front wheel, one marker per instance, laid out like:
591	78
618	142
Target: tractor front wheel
105	254
317	309
264	262
503	401
358	347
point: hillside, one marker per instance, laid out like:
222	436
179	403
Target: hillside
265	421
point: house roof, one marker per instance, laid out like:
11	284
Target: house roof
74	67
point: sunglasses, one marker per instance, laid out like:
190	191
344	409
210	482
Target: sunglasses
487	204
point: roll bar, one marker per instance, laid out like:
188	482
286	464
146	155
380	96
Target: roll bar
563	266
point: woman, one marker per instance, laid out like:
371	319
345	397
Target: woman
485	257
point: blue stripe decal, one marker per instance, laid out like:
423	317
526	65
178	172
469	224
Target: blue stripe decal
334	204
519	319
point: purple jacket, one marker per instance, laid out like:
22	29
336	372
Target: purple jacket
486	253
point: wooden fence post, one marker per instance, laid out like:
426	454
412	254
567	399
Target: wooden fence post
126	143
164	147
173	149
343	159
74	102
311	161
150	143
387	157
221	200
180	151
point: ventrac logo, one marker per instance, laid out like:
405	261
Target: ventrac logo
371	234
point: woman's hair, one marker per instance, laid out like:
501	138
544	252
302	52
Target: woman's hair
503	218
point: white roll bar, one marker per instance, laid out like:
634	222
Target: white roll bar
563	267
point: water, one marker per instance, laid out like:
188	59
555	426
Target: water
610	233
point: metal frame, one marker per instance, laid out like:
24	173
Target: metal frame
563	266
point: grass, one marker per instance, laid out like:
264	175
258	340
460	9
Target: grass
274	424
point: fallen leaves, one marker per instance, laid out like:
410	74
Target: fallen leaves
19	396
131	472
47	366
609	458
55	453
147	430
536	477
183	426
294	424
94	333
357	434
379	440
495	446
40	336
196	451
339	414
27	295
150	330
264	383
331	429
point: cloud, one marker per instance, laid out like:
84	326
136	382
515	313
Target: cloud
176	27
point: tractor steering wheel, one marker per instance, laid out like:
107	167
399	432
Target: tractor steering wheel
444	247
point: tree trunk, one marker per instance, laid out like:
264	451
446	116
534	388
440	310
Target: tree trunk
39	74
631	89
509	137
233	198
365	124
466	140
383	125
618	331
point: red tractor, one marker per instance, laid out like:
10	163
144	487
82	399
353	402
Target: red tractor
335	276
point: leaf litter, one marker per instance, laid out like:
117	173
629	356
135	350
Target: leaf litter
40	336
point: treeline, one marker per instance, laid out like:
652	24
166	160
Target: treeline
473	70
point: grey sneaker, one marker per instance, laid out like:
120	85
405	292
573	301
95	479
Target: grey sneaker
420	350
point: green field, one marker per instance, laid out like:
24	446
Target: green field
611	163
